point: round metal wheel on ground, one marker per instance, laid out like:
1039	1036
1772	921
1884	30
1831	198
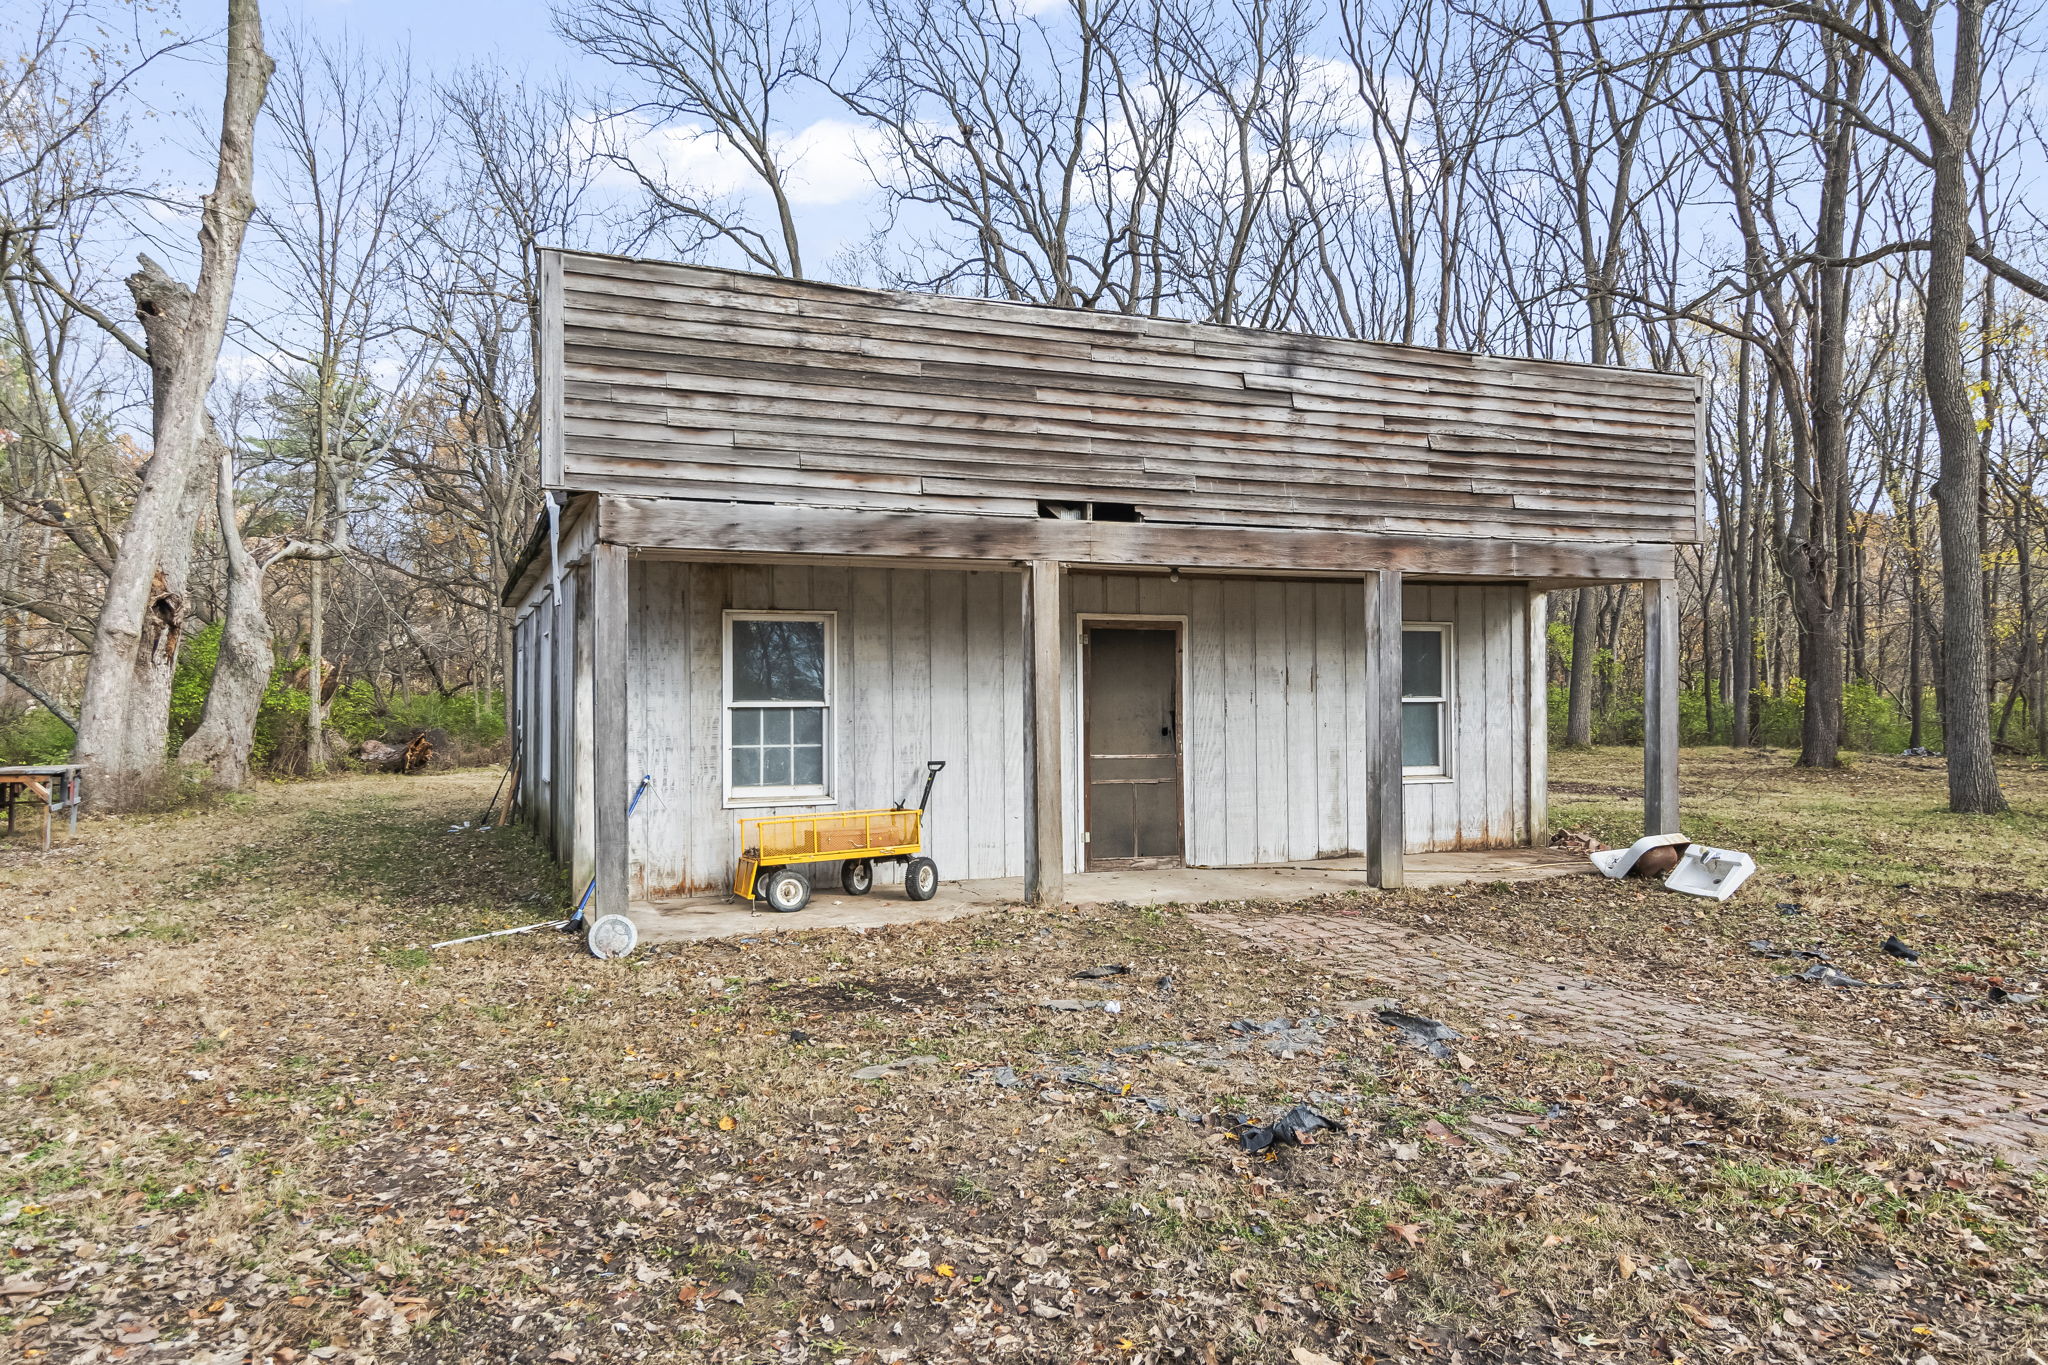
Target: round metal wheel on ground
921	879
786	890
611	936
857	876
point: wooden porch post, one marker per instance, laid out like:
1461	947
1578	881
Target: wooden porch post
612	854
1045	854
1386	822
1660	706
1538	650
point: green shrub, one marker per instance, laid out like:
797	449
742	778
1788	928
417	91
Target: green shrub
1871	722
469	717
191	681
34	737
474	726
1779	716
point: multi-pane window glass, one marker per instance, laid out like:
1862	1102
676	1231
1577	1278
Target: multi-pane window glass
778	685
1423	693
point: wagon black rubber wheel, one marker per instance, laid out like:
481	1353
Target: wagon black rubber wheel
921	879
857	876
786	890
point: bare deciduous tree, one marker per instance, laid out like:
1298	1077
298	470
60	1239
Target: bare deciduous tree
125	716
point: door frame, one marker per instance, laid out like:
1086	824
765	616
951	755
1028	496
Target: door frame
1083	623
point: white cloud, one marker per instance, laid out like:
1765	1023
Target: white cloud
833	161
827	162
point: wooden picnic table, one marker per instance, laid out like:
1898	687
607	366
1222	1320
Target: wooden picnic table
53	786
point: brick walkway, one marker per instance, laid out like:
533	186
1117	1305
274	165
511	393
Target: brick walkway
1717	1050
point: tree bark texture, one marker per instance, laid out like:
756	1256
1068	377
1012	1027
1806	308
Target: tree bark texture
1966	703
226	736
124	720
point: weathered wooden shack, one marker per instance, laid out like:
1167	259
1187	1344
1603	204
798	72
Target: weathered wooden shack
1157	592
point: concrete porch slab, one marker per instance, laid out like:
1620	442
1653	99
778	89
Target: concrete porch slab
719	916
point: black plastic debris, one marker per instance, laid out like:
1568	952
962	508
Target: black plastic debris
1098	973
1821	974
1894	948
2001	996
797	1035
1816	954
1297	1127
1763	947
1431	1035
1164	985
1790	908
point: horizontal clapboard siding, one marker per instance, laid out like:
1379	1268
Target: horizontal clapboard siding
682	381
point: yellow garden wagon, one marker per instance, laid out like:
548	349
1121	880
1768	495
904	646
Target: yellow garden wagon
774	849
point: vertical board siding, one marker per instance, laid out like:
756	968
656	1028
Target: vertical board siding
929	664
1274	695
1483	801
924	667
562	828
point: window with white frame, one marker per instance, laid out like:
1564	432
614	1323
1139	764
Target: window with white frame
778	705
1425	700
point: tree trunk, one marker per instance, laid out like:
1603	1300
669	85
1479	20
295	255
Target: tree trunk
316	673
1966	707
1578	724
1820	721
124	719
1916	686
241	672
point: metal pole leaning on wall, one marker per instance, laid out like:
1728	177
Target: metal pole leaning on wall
566	925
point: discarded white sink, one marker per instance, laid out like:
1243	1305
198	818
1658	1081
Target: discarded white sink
1715	873
1616	862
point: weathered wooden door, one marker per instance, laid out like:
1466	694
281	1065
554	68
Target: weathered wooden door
1131	742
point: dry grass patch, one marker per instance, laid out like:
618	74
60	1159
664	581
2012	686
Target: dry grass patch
251	1118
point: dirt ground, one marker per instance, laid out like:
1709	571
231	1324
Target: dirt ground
249	1116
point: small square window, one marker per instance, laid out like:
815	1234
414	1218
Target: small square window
778	682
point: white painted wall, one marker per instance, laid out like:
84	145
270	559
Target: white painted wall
930	665
1274	762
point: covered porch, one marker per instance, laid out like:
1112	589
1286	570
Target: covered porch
715	915
633	550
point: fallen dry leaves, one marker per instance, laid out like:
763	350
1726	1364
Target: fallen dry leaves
270	1129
